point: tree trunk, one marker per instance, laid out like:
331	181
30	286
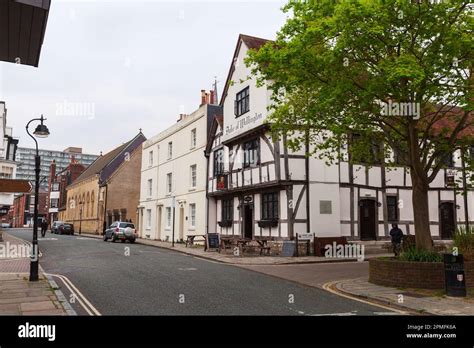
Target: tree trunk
421	212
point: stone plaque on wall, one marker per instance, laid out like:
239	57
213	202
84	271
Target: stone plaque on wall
325	207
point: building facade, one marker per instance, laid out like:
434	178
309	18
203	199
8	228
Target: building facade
26	162
174	169
259	188
22	210
107	191
57	184
8	165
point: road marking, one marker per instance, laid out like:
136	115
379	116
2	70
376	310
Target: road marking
346	314
327	287
188	269
88	307
48	238
388	313
86	238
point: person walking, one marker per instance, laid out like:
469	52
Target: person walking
396	235
44	227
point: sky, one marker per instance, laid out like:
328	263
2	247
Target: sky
108	68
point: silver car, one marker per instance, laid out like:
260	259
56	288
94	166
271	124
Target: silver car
121	230
55	226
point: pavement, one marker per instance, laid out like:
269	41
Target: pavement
138	279
19	296
412	300
247	259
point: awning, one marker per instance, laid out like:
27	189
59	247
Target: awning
22	29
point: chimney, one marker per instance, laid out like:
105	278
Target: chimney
207	98
213	98
203	97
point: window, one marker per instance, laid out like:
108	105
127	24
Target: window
193	175
449	160
129	225
150	187
148	219
170	150
251	150
227	209
362	152
471	150
192	215
168	217
169	183
242	102
325	207
270	206
150	159
218	162
55	186
54	202
193	138
392	208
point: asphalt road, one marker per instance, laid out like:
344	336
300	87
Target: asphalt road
133	279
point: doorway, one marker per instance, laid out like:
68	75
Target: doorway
248	221
181	223
367	223
447	220
158	223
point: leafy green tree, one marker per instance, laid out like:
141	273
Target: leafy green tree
338	70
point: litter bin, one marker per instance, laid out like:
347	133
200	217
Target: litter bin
454	275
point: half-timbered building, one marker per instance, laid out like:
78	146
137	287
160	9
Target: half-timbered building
258	187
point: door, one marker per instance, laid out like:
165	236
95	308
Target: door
181	223
447	220
158	223
248	221
367	223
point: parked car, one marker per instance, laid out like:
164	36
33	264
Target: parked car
55	225
5	225
122	231
66	228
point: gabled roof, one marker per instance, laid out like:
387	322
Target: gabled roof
251	42
104	161
217	122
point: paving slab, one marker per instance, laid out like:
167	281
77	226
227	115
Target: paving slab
411	299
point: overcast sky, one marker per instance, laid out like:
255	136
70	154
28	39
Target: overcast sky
108	68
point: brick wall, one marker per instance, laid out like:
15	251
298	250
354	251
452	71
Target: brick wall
123	190
422	275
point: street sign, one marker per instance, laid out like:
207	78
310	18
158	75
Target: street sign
14	186
305	236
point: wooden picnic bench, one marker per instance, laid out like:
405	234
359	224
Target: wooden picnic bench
263	246
190	238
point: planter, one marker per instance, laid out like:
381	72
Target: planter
268	223
406	274
227	223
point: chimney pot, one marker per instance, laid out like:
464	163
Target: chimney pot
203	96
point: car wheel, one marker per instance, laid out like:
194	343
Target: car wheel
132	241
123	240
113	239
105	238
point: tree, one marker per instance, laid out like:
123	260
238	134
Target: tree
396	72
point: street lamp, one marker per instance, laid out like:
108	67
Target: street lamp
41	131
80	216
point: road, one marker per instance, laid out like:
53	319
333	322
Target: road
133	279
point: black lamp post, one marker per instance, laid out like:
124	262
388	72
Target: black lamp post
41	131
80	216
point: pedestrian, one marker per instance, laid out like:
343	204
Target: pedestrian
396	235
44	227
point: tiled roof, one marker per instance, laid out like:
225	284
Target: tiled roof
101	161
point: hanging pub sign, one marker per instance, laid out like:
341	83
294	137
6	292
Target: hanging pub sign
449	178
221	182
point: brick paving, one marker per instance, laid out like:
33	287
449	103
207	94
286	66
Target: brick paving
19	296
412	300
